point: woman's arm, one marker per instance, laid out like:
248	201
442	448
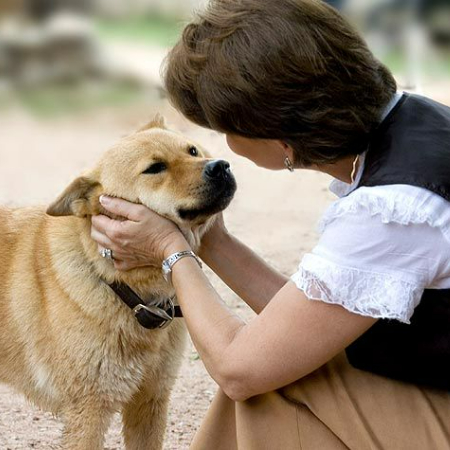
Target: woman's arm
248	275
290	338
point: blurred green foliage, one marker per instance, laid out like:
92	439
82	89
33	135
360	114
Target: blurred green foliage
432	66
54	101
57	100
151	29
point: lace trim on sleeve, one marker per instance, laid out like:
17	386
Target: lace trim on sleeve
361	292
392	206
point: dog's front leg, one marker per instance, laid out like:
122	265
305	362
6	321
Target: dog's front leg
85	425
144	421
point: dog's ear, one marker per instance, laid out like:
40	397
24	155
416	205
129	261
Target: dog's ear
79	199
157	122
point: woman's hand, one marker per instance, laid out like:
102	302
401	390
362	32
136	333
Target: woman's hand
143	239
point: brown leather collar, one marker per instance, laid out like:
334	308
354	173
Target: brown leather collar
149	316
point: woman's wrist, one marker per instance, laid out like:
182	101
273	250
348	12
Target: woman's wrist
177	244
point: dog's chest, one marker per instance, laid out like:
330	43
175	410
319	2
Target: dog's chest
111	370
127	363
118	379
101	372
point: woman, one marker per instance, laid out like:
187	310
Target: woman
293	86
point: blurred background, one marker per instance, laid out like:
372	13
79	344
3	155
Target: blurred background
76	75
66	56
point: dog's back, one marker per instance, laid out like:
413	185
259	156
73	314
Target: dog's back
21	250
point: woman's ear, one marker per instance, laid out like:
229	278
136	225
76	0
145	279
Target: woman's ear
288	150
79	199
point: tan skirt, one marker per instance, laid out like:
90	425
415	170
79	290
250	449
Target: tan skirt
337	407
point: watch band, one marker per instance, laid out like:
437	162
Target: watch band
169	262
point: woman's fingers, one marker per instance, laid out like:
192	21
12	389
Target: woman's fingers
104	242
102	223
123	266
141	240
121	261
114	255
112	229
122	208
102	239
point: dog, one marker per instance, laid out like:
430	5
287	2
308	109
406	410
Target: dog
67	341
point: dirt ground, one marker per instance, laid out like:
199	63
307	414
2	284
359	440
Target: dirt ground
273	212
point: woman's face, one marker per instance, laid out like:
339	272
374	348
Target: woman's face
267	153
271	153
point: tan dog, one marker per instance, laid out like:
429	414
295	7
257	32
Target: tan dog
66	340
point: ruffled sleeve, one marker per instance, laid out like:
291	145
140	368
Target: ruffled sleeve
380	248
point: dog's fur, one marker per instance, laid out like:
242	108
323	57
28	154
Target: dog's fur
66	341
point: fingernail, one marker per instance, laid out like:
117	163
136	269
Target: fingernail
104	200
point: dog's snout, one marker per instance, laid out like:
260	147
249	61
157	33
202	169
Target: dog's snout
217	169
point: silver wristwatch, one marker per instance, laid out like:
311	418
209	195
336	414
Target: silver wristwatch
169	262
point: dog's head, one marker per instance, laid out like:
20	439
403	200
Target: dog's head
159	169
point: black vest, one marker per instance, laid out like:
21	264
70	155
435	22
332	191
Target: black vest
411	146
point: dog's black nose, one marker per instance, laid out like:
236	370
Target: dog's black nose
217	169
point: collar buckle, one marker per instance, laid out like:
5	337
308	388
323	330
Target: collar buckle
153	316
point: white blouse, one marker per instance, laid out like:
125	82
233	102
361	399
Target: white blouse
379	249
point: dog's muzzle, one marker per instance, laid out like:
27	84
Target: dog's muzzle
219	189
217	170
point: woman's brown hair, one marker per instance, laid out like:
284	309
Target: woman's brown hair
293	70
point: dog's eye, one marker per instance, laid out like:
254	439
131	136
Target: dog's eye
156	168
193	151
